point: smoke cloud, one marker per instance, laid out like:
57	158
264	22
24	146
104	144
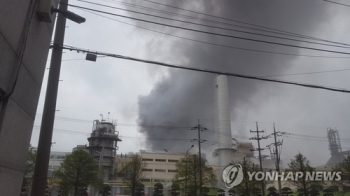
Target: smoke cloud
182	97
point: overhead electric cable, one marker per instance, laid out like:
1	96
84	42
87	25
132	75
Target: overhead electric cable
266	76
125	137
219	45
217	34
216	27
306	73
220	22
209	71
123	124
337	3
246	23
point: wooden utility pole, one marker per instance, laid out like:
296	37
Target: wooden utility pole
277	160
195	174
275	154
245	170
258	138
199	129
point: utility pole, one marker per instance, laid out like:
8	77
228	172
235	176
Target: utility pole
245	170
195	174
199	128
47	123
186	170
276	154
277	160
258	138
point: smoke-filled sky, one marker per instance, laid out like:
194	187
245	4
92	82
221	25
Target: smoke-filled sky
164	102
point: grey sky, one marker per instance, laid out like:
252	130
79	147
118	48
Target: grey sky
147	94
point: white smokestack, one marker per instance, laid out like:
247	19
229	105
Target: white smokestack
227	146
223	112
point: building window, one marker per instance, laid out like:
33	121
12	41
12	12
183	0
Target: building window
160	160
160	170
173	161
147	159
159	180
172	170
148	170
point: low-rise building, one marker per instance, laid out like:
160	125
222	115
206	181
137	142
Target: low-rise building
56	158
160	167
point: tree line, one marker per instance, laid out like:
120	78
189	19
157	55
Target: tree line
79	170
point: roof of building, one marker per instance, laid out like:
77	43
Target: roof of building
335	159
161	152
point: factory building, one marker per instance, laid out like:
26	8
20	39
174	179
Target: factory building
160	168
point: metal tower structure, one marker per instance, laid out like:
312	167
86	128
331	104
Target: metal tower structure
334	141
103	146
335	147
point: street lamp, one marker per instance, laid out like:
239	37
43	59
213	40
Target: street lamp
186	169
69	15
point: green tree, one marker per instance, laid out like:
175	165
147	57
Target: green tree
272	191
205	191
344	168
132	172
301	164
192	173
248	187
286	191
232	192
327	192
175	189
105	190
140	189
158	189
29	169
78	170
31	158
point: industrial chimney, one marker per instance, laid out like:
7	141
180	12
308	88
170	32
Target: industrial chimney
227	144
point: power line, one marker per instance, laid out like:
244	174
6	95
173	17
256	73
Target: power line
123	124
214	44
220	22
246	23
210	71
306	73
337	3
217	34
159	139
294	136
216	27
121	137
148	126
211	131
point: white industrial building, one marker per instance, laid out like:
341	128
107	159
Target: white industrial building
55	161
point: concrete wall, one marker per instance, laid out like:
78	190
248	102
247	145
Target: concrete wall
19	115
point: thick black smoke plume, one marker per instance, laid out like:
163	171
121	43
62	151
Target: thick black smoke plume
182	96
